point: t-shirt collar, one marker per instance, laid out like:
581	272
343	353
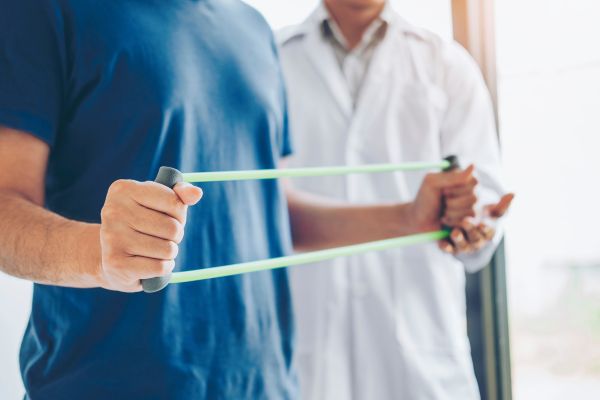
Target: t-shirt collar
376	29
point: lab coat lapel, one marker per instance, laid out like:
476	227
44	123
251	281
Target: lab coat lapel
378	81
368	131
323	59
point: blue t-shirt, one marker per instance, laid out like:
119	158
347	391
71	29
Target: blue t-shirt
118	88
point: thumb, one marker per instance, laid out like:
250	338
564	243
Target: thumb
455	178
499	209
449	179
189	194
467	173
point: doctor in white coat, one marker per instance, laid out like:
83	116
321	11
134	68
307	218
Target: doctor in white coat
365	86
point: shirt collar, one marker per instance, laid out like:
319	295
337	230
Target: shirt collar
376	30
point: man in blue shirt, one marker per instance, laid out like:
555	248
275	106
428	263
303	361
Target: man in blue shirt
94	97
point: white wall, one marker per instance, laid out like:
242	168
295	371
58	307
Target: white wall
15	300
431	14
549	93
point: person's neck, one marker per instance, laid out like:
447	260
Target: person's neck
353	20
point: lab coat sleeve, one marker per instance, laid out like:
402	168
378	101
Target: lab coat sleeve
469	131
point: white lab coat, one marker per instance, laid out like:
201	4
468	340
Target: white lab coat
386	325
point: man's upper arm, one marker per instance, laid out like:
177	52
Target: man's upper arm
469	128
32	74
469	131
33	65
23	161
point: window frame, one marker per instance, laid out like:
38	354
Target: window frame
487	305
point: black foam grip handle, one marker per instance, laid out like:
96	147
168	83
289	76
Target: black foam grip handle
454	164
169	177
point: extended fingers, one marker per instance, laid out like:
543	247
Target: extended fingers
455	243
487	231
467	238
459	240
474	235
499	209
455	217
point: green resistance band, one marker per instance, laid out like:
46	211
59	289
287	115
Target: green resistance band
197	177
305	258
170	177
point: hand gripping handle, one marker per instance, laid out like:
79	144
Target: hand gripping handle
454	164
169	177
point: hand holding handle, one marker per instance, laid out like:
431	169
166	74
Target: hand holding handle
169	177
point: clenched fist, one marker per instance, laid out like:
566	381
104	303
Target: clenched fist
142	226
469	235
432	207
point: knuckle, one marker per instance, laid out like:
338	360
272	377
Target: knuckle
109	238
175	207
180	233
174	230
176	204
111	261
181	211
171	250
109	213
165	267
119	186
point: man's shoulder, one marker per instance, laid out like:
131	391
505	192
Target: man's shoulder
294	34
435	48
419	36
290	35
284	35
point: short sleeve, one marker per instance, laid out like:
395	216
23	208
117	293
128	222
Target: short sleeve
286	140
469	131
32	55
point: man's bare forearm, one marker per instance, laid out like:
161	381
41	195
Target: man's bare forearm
142	225
38	245
319	223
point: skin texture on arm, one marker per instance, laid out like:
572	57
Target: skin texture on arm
142	224
36	244
319	223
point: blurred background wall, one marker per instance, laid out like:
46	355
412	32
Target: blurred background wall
549	100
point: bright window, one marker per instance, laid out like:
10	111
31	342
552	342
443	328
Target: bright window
549	104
